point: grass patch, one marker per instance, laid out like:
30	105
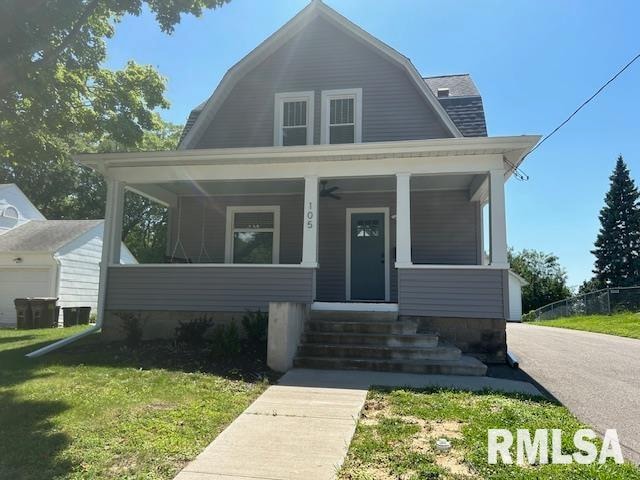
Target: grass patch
621	324
396	434
97	410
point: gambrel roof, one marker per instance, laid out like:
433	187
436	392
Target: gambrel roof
463	102
204	113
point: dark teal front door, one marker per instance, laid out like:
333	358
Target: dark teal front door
367	256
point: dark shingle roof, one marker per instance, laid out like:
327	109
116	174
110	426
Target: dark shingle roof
44	235
193	116
463	104
459	85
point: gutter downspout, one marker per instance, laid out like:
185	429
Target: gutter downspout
65	341
111	233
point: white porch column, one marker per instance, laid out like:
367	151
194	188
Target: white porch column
310	227
497	217
111	238
403	219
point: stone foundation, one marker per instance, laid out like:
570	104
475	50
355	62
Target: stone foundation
483	338
161	325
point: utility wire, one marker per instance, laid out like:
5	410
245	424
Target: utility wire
520	175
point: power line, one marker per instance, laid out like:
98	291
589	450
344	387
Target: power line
518	172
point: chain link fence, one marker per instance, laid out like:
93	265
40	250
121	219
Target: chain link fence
599	302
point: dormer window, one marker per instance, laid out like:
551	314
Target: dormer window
342	116
293	119
9	211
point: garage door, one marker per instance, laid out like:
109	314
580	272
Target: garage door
15	283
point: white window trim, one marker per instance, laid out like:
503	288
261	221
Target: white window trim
232	210
387	272
278	117
327	96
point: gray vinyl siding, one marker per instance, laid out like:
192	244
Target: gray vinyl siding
206	288
330	283
452	293
444	228
323	57
214	217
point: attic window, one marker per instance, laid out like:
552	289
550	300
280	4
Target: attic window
443	92
10	212
341	116
293	121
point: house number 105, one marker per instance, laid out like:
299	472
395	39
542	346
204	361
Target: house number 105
310	216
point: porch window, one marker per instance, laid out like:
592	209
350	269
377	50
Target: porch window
293	120
253	235
342	116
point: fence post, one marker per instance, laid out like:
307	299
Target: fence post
609	301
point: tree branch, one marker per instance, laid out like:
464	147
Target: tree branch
50	54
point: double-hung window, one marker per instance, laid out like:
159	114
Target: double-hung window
253	235
342	116
293	119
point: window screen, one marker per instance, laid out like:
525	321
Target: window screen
341	120
294	123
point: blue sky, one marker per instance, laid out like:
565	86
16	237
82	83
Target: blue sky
533	61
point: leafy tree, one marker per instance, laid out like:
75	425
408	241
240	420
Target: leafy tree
617	247
547	279
53	88
590	285
144	226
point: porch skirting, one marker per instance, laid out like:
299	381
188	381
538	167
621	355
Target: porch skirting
483	338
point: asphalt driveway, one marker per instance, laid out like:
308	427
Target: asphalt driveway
595	376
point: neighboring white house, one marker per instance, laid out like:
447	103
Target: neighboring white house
516	282
47	258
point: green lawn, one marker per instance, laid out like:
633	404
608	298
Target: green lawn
396	434
622	324
101	411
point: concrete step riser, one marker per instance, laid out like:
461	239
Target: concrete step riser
422	341
399	328
345	316
333	351
426	369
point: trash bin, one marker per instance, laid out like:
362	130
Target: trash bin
23	314
44	312
83	315
76	316
69	316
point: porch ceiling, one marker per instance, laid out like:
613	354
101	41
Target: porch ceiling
288	186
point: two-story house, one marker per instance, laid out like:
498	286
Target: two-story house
326	171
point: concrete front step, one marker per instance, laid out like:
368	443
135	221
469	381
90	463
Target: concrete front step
463	366
379	352
332	326
424	340
352	316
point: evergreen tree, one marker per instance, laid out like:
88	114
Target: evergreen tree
618	244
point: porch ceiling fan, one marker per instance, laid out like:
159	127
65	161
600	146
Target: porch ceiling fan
328	192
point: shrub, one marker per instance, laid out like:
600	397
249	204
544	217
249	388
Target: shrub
256	325
132	327
192	332
225	341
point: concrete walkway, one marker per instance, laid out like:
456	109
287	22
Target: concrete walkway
302	427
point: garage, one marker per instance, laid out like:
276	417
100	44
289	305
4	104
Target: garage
21	282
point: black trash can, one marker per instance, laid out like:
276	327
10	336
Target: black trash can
44	312
24	319
83	315
70	316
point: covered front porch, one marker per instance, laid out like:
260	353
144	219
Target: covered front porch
419	224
